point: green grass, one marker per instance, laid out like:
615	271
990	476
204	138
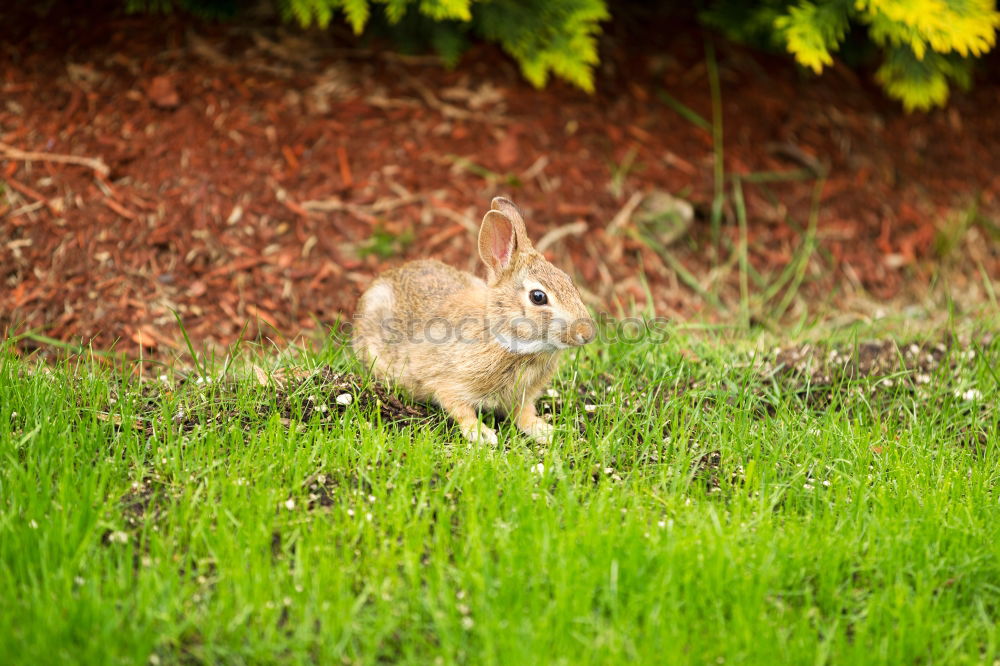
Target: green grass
706	507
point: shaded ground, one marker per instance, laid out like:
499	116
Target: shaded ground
263	174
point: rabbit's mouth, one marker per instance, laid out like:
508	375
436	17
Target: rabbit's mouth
567	340
523	346
527	336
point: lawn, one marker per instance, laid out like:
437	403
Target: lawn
708	498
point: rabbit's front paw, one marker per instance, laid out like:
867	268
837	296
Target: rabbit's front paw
539	430
480	434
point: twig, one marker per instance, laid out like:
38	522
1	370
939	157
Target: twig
380	205
795	154
388	56
382	102
345	167
34	194
557	234
95	163
536	168
623	216
464	220
120	209
449	110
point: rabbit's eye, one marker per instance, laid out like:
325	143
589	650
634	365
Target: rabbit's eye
538	297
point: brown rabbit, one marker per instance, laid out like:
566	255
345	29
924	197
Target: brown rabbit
445	335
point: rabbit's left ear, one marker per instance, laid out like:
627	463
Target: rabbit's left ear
498	242
513	213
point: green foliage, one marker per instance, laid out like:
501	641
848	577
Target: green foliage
557	36
552	37
811	31
927	45
384	243
545	37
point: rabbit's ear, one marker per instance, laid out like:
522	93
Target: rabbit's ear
513	213
497	242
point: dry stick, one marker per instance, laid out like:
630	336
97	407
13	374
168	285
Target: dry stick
624	215
94	163
557	234
449	110
470	224
380	206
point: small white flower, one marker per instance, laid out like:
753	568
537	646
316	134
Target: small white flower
972	395
290	503
468	623
807	486
552	393
539	468
33	525
118	537
344	399
590	408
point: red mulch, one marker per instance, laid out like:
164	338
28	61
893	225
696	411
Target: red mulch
250	165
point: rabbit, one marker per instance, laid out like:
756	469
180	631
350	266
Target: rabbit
448	336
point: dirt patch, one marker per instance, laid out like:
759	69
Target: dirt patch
706	469
264	175
140	506
889	370
297	396
818	375
322	487
327	389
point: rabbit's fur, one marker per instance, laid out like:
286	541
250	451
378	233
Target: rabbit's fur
448	336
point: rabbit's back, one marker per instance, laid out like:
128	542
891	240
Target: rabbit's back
427	288
394	314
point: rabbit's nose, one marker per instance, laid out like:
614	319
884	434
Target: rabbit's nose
584	332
